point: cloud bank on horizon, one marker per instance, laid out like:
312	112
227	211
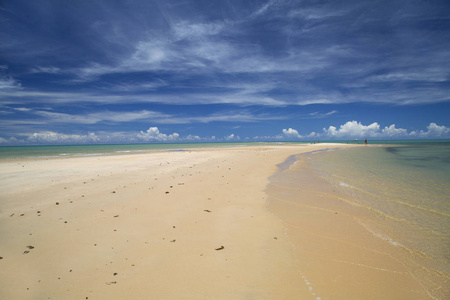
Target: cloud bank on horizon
349	130
197	70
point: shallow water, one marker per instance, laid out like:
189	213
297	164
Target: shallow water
16	152
406	190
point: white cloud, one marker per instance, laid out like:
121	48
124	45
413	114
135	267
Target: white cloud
135	86
50	70
225	117
192	138
127	116
10	141
228	45
7	82
23	109
240	97
93	118
50	137
426	74
153	134
353	129
55	117
150	53
318	115
143	115
191	31
392	131
316	13
291	133
434	131
232	137
263	9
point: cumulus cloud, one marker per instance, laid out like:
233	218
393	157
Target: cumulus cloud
50	137
434	131
353	129
232	137
349	130
291	133
192	138
392	131
153	134
103	137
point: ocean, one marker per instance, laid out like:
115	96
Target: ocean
402	195
54	151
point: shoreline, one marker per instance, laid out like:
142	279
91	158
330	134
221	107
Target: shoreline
336	253
128	149
195	224
146	226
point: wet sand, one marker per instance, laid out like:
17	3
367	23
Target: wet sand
174	225
338	258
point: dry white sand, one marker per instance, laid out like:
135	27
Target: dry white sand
145	226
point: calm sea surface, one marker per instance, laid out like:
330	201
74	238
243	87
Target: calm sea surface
407	187
16	152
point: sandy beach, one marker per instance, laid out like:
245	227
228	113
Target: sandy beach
192	224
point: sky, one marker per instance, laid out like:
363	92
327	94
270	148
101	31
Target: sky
75	72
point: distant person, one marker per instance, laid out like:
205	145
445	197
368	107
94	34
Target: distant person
365	141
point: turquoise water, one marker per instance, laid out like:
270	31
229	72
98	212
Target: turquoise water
14	152
406	189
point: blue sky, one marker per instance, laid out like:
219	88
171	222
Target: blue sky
174	71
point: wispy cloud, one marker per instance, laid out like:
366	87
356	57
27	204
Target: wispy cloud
228	46
222	61
43	117
50	70
7	82
320	115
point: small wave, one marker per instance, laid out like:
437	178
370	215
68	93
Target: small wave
379	235
346	185
128	151
387	239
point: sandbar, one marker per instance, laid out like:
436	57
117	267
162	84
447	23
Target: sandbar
194	224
